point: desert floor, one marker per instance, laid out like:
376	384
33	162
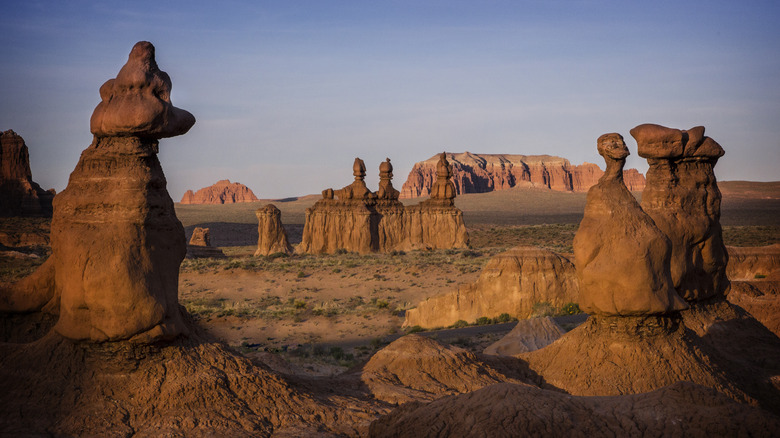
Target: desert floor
324	314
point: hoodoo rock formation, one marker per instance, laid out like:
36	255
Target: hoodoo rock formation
511	282
222	192
683	199
479	173
272	238
622	258
200	245
116	242
355	219
19	194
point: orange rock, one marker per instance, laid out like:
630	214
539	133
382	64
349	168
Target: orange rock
683	199
19	194
221	192
272	236
622	258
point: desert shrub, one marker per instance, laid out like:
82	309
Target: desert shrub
395	253
470	254
382	304
759	276
415	329
341	251
504	317
460	324
337	353
543	308
302	274
277	255
570	309
483	320
336	270
299	304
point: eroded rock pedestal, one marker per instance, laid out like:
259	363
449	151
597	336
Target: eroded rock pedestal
116	242
19	194
683	199
271	235
200	245
357	220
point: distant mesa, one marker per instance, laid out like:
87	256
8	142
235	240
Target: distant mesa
222	192
480	173
19	194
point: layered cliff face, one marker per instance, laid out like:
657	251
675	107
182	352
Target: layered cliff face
512	282
19	194
222	192
479	173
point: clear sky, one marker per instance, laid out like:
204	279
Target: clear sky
287	93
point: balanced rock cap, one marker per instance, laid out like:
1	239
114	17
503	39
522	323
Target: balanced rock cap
138	101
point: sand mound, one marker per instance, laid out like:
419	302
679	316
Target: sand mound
189	388
528	335
417	368
681	409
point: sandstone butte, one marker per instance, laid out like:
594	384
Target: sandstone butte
480	173
124	358
222	192
19	194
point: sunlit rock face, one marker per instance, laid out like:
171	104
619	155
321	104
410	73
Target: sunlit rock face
622	258
355	219
683	198
272	238
116	242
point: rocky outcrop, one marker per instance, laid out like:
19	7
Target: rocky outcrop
749	263
116	242
479	173
222	192
272	236
528	335
622	258
19	194
683	199
200	245
355	219
511	410
511	282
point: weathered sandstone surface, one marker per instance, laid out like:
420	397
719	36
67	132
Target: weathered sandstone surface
528	335
19	194
116	242
511	282
479	173
683	199
272	238
221	192
200	245
748	263
622	258
505	409
355	219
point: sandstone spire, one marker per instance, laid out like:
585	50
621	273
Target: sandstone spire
622	258
683	199
386	190
272	238
116	242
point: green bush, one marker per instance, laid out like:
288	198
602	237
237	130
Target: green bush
759	276
415	329
504	317
277	255
483	320
460	324
570	309
382	304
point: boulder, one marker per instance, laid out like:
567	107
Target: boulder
480	173
528	335
19	194
512	282
200	245
221	192
272	236
622	258
682	198
116	242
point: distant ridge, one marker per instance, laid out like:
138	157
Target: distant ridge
480	173
222	192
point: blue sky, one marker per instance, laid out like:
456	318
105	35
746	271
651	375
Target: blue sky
287	93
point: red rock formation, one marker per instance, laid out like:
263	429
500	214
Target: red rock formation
222	192
116	242
479	173
683	199
200	245
511	282
19	194
355	219
272	238
622	258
